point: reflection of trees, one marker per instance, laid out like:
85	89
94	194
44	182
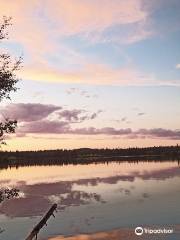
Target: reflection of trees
86	156
8	193
36	199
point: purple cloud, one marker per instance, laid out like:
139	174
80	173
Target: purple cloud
104	131
32	112
34	118
27	112
64	127
159	133
71	115
141	113
75	115
45	126
95	115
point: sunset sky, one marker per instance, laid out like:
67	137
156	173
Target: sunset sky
96	73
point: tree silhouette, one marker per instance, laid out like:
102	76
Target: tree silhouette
8	193
8	79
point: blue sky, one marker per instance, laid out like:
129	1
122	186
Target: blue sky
108	68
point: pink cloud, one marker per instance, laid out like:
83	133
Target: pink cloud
77	115
27	112
38	22
89	16
45	126
91	73
36	118
39	26
62	127
71	115
178	66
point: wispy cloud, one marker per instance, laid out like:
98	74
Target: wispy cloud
54	19
84	16
178	66
89	74
82	93
141	113
123	119
50	22
77	115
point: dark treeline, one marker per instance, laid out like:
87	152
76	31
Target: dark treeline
86	155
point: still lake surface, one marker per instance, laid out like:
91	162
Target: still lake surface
91	198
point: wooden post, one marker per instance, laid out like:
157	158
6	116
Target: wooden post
43	222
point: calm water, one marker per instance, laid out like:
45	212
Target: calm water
91	198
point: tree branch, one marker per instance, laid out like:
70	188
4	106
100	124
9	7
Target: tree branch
41	224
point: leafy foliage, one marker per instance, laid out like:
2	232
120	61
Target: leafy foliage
7	127
8	193
3	27
8	79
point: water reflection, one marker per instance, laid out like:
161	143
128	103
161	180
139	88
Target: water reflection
123	233
111	235
92	198
36	198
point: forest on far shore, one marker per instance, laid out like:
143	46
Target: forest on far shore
87	155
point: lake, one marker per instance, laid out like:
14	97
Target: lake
92	199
